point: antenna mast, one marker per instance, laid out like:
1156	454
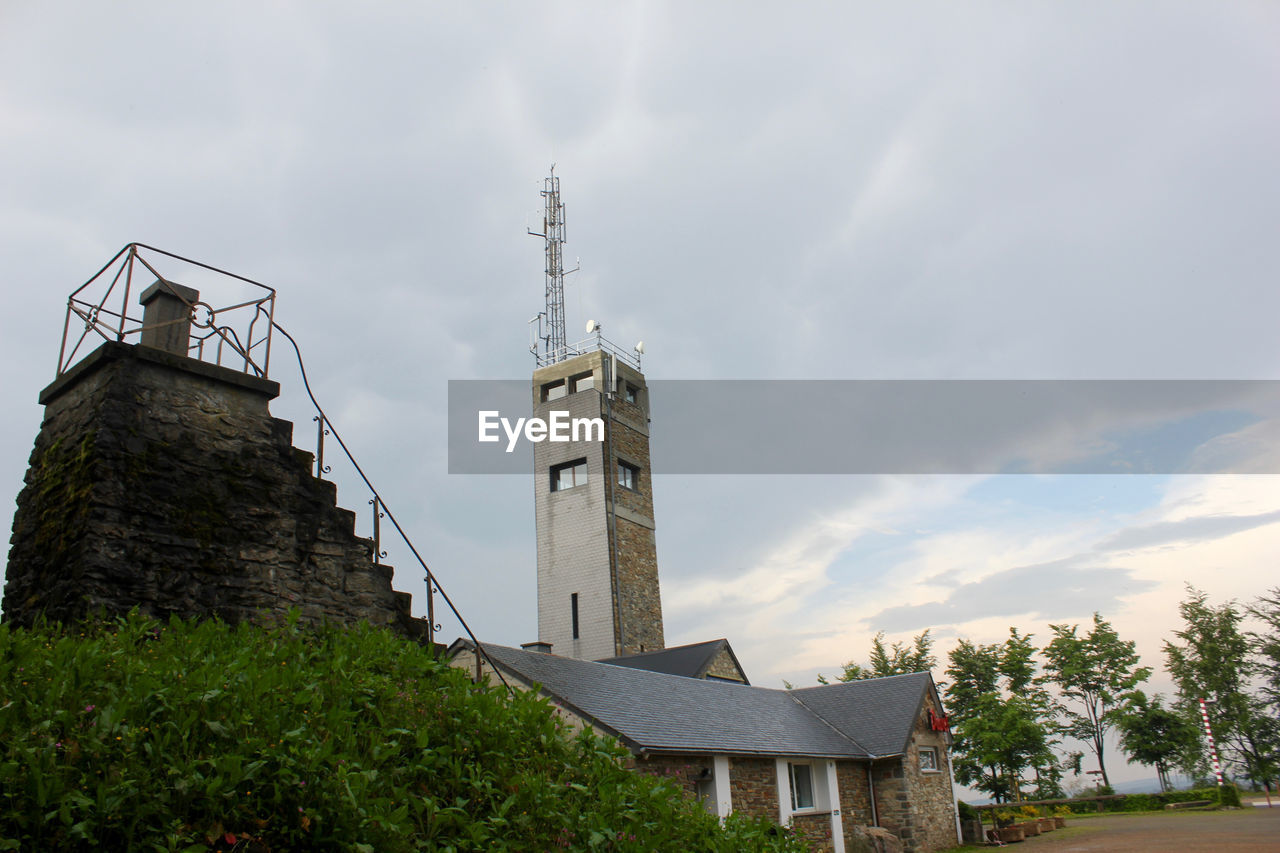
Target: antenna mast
555	346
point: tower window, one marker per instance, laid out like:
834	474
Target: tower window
628	476
568	475
553	390
630	392
581	382
573	612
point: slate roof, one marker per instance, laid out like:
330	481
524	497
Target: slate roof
691	661
659	712
878	713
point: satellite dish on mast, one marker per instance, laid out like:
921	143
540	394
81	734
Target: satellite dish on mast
640	347
592	326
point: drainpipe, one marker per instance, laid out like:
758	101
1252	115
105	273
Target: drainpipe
951	780
871	792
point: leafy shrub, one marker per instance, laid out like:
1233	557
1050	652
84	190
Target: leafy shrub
1228	795
193	737
967	812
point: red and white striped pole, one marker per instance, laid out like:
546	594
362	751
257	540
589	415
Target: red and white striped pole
1213	749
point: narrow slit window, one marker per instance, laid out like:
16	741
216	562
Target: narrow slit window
573	613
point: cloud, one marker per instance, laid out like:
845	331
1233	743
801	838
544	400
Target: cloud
1185	531
1042	592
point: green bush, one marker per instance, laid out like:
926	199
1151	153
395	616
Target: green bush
1228	795
967	812
135	735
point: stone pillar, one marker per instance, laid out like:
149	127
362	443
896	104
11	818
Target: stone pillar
166	320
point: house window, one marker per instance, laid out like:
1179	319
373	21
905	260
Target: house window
630	392
553	390
581	382
628	476
568	475
573	612
801	778
929	760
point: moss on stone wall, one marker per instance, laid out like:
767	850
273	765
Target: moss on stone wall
62	478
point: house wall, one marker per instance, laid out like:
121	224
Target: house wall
682	770
753	786
723	666
855	797
915	805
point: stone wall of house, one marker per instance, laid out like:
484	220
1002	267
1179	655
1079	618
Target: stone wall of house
930	791
855	798
915	804
815	829
724	666
753	786
682	770
163	483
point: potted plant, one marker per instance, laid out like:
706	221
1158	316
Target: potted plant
1006	831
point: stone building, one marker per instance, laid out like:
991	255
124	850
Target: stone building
836	762
841	763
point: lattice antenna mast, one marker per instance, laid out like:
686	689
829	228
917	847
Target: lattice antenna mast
552	334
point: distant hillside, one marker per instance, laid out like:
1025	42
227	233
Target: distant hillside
191	737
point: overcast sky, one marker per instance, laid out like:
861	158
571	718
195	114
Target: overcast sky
812	191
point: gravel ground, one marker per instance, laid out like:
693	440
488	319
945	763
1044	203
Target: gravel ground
1247	828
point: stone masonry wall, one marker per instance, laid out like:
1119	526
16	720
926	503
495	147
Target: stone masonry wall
930	791
682	770
723	666
160	482
640	597
753	786
855	799
815	829
915	804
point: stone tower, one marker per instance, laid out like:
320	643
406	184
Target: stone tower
598	594
162	482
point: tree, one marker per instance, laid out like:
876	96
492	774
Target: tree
999	717
1095	671
1154	735
1213	662
901	660
1266	645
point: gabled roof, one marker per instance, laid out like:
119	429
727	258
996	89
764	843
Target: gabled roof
879	713
659	712
691	661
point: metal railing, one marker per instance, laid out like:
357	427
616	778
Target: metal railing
591	344
251	347
236	334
